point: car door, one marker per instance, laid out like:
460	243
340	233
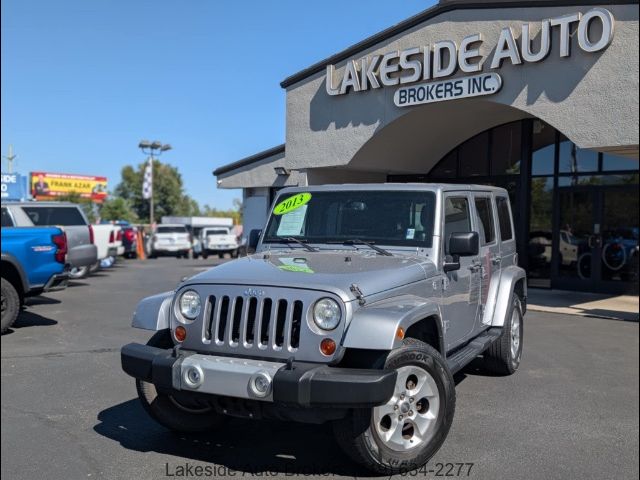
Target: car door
490	259
462	287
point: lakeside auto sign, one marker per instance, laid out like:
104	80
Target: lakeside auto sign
444	58
45	185
14	186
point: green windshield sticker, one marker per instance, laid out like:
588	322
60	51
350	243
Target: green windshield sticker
296	268
292	203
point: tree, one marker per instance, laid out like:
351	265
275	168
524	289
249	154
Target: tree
168	192
117	208
235	212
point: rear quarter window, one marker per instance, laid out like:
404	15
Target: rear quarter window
7	221
504	218
65	216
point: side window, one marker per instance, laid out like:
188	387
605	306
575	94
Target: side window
6	218
44	216
504	218
456	218
485	215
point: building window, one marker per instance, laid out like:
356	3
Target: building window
506	149
447	167
612	163
473	156
543	145
572	159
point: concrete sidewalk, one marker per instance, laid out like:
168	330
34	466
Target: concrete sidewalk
618	307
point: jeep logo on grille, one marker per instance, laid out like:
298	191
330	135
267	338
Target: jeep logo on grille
253	292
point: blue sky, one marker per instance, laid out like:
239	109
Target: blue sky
84	80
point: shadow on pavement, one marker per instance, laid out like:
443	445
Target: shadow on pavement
41	300
30	319
240	445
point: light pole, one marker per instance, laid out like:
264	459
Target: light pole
152	149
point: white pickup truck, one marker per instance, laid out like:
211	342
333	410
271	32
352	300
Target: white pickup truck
218	241
108	240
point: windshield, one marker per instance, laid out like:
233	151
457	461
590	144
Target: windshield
171	230
399	218
217	232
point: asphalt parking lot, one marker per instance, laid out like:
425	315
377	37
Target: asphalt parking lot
68	411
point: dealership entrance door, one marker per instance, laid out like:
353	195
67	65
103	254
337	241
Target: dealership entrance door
595	241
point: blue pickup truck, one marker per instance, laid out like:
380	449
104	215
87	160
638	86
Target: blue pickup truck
33	261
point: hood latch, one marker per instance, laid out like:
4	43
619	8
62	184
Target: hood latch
355	289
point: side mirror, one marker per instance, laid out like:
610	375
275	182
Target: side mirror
461	244
464	244
254	239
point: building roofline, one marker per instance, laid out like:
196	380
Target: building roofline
249	160
428	14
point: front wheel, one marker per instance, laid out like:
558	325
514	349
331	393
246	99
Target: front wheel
176	411
408	430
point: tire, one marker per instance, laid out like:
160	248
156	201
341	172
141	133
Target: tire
76	273
500	358
205	255
10	305
177	413
360	434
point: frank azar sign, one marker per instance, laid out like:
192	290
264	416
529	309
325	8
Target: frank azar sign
444	58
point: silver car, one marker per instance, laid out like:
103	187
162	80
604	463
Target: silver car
358	306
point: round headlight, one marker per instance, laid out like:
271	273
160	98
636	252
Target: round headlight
326	313
190	304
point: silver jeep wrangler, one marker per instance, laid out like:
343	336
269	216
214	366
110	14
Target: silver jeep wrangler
358	306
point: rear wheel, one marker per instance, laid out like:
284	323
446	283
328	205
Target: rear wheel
10	305
176	411
408	430
504	355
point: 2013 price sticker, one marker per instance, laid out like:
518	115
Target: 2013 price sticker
292	203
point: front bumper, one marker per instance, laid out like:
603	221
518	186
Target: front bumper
296	383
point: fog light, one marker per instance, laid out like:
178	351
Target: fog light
180	333
193	376
260	384
327	347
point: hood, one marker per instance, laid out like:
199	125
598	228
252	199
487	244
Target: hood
333	271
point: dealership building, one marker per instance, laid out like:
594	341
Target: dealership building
538	97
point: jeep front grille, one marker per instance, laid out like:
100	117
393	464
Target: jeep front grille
253	322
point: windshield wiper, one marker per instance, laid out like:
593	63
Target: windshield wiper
295	240
357	241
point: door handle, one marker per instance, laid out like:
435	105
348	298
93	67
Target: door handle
475	266
496	260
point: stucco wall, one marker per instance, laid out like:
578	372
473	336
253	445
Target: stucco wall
260	174
591	97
